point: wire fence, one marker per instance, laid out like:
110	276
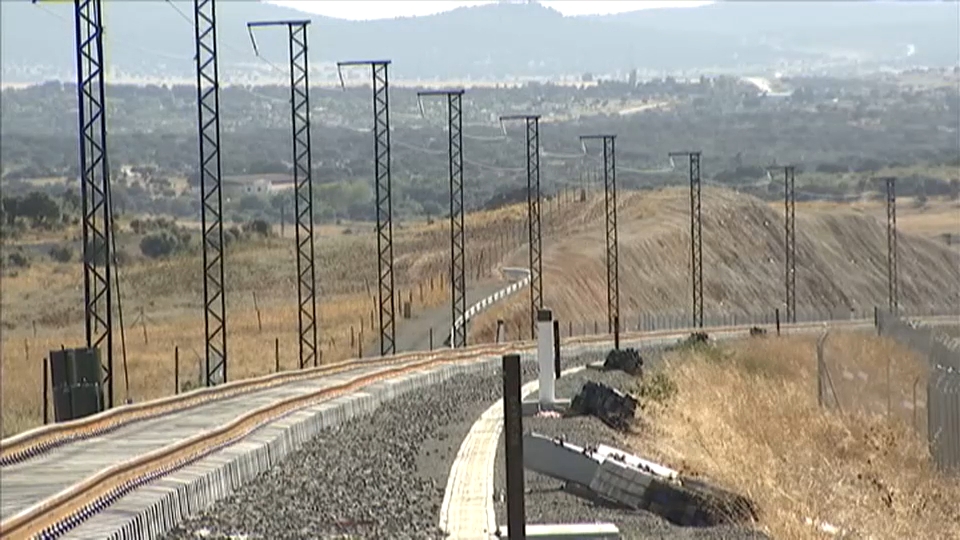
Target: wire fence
918	386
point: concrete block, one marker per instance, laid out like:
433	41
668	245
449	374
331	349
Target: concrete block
570	531
531	407
562	461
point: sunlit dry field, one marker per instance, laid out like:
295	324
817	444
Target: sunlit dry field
841	263
757	429
162	314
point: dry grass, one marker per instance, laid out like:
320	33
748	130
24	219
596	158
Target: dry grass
42	305
935	218
757	429
841	262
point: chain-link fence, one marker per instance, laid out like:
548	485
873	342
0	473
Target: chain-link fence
681	319
915	381
942	355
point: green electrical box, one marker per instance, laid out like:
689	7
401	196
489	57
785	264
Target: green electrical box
77	380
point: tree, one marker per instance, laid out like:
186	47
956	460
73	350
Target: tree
258	226
251	203
39	208
62	253
11	209
160	244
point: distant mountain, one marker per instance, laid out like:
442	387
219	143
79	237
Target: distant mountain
150	39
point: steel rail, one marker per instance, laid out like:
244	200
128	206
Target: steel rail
28	444
31	443
45	517
100	489
23	446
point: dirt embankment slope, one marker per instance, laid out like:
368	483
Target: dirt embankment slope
841	261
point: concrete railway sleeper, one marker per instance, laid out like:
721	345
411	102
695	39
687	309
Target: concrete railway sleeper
35	442
71	505
57	514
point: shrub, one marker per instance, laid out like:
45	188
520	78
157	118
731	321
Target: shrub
160	244
62	253
658	387
258	226
18	259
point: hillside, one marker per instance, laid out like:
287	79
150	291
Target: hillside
152	40
841	263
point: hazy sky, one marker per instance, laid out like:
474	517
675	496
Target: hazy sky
379	9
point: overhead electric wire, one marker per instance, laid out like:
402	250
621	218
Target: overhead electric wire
116	277
228	46
110	226
70	23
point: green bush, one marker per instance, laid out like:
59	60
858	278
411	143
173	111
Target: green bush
159	244
657	387
62	253
18	259
258	226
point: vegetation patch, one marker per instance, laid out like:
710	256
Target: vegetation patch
752	422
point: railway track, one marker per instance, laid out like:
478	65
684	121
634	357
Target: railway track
58	475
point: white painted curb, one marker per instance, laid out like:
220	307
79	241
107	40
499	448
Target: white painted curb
480	306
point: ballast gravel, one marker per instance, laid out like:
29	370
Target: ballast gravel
377	476
546	503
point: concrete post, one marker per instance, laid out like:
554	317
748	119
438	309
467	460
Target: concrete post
545	357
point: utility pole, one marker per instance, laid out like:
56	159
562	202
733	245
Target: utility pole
533	212
458	281
789	241
303	184
211	199
696	235
610	207
381	165
94	185
893	292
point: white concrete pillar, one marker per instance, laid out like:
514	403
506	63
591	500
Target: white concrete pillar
545	357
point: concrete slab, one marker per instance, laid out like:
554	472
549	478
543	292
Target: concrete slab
531	407
569	531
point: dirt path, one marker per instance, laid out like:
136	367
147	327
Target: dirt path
414	334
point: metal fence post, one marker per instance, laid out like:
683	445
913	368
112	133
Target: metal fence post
556	348
46	389
176	370
513	438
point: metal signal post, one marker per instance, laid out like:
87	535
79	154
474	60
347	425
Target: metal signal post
381	164
893	292
533	213
696	235
211	199
94	185
458	288
610	206
303	184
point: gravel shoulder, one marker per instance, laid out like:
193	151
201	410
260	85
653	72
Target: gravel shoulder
546	503
377	476
383	475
